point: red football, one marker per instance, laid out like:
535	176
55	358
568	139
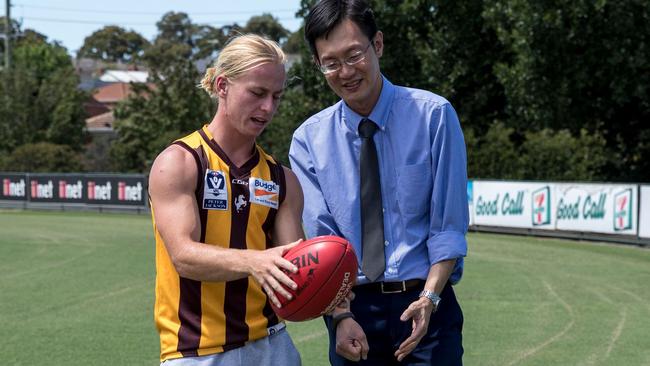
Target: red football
327	270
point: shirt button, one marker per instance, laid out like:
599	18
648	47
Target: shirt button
386	242
383	210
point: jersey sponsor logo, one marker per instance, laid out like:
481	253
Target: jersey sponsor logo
215	191
264	192
239	181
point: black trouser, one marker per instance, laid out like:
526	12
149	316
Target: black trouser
378	314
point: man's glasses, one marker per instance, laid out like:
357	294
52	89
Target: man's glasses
331	66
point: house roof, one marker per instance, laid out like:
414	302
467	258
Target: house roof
112	93
102	122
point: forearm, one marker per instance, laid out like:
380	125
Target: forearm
439	275
204	262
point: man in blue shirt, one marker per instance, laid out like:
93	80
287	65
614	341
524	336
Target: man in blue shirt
404	308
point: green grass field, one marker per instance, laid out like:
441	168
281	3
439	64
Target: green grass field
77	289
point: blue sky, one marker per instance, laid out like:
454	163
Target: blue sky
70	21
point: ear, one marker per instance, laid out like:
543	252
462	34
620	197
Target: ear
221	86
378	43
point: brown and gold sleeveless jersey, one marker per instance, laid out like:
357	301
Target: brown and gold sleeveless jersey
237	207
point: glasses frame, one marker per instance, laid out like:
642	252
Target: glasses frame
350	61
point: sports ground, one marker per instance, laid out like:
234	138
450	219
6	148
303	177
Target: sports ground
77	289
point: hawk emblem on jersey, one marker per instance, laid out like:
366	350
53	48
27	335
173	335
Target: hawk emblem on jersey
264	192
215	190
240	202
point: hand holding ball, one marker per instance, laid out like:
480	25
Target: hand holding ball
327	270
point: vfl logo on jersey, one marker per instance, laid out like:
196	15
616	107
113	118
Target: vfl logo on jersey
215	191
264	192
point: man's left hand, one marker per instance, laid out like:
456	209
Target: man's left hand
420	311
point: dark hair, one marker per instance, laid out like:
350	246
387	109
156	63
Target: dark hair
327	14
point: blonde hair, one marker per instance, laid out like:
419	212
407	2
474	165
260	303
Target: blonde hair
241	54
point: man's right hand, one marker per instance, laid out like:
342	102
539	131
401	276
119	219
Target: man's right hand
267	268
351	341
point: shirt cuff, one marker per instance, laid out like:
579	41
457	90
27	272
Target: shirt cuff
446	245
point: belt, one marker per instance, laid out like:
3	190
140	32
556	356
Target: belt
391	287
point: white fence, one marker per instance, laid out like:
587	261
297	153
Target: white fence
611	209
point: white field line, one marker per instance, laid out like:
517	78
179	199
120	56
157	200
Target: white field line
554	338
46	267
617	332
600	295
632	295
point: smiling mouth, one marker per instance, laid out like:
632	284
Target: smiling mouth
352	85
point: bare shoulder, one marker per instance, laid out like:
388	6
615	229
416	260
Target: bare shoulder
174	168
290	176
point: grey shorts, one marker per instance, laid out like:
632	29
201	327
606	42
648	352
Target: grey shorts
276	349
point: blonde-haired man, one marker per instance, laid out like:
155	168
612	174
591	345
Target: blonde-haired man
224	214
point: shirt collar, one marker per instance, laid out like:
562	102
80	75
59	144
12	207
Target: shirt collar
379	113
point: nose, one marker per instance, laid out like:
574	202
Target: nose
268	104
346	71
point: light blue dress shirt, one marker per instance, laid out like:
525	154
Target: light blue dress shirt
422	163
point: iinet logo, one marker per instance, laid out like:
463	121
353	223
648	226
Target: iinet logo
42	190
129	193
13	189
71	191
99	192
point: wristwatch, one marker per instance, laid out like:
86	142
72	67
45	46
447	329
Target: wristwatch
433	297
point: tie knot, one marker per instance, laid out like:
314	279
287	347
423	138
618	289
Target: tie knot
367	128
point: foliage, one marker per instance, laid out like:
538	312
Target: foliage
170	106
575	65
559	156
40	100
199	40
544	90
43	157
542	155
267	25
492	155
114	44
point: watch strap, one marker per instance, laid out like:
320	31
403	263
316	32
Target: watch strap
336	319
431	296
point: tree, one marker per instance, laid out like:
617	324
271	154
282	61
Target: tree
41	102
559	156
294	43
493	155
170	106
267	25
114	44
43	157
578	65
200	41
